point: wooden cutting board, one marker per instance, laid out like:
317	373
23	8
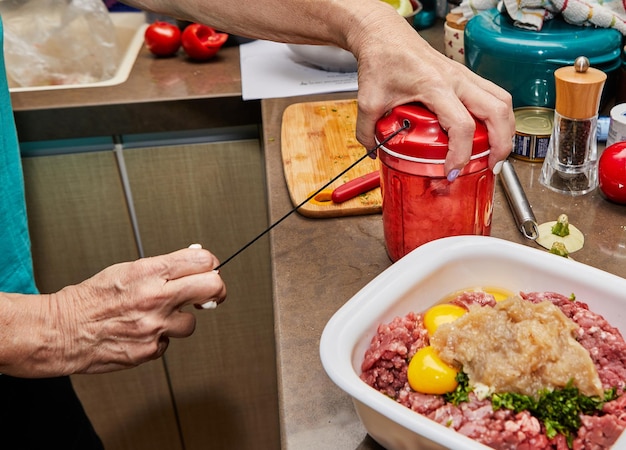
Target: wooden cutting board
317	143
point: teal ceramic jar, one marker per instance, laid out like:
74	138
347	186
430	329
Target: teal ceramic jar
523	61
621	82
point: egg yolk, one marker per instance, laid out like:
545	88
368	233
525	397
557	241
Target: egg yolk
440	314
428	374
499	294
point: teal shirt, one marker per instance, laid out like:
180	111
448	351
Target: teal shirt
16	268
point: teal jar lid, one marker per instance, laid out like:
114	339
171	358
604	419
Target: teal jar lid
523	61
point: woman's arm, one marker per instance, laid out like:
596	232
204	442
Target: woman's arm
120	318
396	66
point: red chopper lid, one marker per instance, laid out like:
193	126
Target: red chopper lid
424	137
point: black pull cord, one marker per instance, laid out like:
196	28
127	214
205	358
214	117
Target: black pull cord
405	125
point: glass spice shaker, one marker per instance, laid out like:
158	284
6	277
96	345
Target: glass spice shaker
571	162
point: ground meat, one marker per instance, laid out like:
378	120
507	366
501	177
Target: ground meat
386	361
603	341
469	298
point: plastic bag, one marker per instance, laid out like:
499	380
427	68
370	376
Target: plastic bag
52	42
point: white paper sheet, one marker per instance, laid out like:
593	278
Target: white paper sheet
270	70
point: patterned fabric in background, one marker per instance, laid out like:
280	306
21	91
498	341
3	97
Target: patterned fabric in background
531	14
115	6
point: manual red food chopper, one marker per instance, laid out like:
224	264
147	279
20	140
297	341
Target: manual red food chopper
419	203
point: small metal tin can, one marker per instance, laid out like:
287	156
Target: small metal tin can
533	128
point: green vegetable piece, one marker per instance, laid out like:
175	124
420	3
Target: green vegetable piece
559	410
560	231
461	393
558	248
561	227
512	401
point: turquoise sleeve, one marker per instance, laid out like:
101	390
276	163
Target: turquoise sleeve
16	268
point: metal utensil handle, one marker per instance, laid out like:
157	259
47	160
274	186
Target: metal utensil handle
522	212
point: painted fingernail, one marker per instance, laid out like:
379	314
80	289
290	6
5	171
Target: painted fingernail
453	174
498	167
195	246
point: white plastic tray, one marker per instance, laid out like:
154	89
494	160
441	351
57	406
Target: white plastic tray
421	279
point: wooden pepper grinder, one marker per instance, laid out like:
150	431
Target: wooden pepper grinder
571	162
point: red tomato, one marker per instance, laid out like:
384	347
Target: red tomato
201	41
612	172
162	38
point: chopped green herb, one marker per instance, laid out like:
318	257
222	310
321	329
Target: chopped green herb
512	401
572	297
559	410
461	393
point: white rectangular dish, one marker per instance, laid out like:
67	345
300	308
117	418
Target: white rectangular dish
129	31
421	279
